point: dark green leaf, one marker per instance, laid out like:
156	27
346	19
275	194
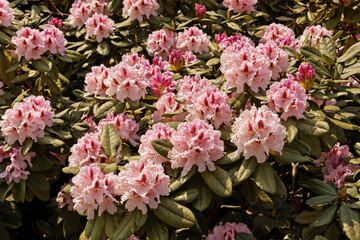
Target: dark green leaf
110	140
264	177
218	181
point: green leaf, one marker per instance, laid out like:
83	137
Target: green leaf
94	228
313	127
265	178
185	196
239	101
213	61
351	53
246	169
47	140
54	84
5	64
310	52
320	200
43	65
71	170
344	125
18	191
218	181
229	158
162	146
129	224
280	186
244	236
103	48
250	192
350	221
204	198
327	47
320	187
155	229
177	183
110	140
306	217
110	168
318	67
4	190
174	214
326	215
291	130
112	222
38	181
26	146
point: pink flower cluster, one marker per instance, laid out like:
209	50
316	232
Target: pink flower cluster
125	126
257	131
56	23
6	14
142	184
237	41
195	143
64	199
82	10
228	231
27	119
161	43
315	32
137	9
245	66
99	25
239	6
15	169
334	167
32	43
287	97
280	34
168	104
193	39
146	150
93	190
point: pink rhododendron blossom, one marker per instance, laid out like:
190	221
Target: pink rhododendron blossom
245	67
168	104
239	6
88	150
239	40
90	122
6	14
137	9
228	231
190	58
316	32
195	143
99	25
257	131
27	119
280	34
1	88
125	126
176	60
64	199
278	58
334	167
82	10
95	80
190	85
56	23
163	83
93	190
200	11
212	105
142	184
54	40
287	97
15	169
306	76
146	150
161	43
29	42
193	39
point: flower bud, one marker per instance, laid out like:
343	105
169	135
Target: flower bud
176	60
200	11
306	76
56	22
161	84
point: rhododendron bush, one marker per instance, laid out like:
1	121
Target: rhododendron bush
180	119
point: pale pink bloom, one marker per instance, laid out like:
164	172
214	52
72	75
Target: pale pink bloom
168	104
228	231
125	126
200	11
54	40
161	43
176	60
142	184
280	34
278	58
27	119
245	67
239	41
64	199
162	83
15	168
56	22
6	14
190	85
195	143
257	131
1	88
95	80
316	32
287	97
239	6
212	105
99	25
193	39
93	190
190	58
30	43
146	150
137	9
90	122
334	168
88	150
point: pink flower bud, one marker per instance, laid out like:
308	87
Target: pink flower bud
162	83
176	60
306	76
56	22
200	11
